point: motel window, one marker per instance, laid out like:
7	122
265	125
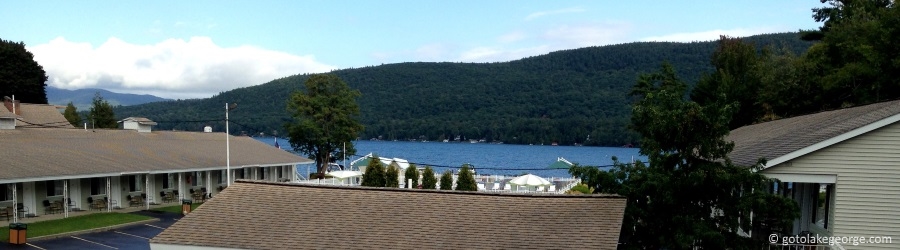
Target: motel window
279	173
98	186
5	192
54	188
221	178
822	205
135	183
196	179
262	173
239	174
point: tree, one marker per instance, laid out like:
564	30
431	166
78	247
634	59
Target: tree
447	180
428	179
737	78
20	75
855	61
466	179
690	195
392	176
412	173
101	114
71	114
325	119
374	175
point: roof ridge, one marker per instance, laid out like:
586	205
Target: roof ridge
452	192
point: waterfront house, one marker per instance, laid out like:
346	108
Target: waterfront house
841	166
270	215
48	165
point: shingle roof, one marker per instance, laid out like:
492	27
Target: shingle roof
260	215
41	115
50	152
139	120
778	138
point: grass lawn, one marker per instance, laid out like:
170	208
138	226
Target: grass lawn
174	209
72	224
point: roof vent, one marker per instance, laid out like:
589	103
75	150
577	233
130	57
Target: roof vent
140	124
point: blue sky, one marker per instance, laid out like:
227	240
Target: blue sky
192	49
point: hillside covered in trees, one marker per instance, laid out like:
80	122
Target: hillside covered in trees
577	96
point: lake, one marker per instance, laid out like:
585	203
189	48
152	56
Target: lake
499	159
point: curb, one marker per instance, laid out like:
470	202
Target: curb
93	230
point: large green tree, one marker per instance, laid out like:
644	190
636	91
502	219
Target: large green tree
325	119
689	195
71	114
101	114
737	78
447	180
392	176
855	61
411	175
20	75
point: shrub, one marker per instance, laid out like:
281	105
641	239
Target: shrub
412	173
447	181
428	179
374	175
581	188
466	180
392	176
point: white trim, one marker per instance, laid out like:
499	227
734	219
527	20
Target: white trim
804	178
834	140
167	171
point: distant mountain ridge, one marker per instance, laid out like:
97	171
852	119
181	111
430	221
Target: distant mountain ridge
82	98
570	97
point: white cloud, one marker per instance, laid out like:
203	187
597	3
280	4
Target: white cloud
499	54
584	35
710	35
173	68
512	37
532	16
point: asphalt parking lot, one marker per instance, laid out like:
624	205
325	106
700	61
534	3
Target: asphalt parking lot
130	237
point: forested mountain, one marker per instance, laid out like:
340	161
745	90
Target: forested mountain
577	96
81	98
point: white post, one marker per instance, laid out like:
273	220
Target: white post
180	187
147	190
65	199
108	195
227	149
15	203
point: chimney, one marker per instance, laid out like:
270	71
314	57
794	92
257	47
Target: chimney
140	124
7	116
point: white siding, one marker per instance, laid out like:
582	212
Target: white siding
867	191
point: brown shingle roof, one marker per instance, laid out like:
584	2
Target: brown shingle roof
41	115
50	152
778	138
260	215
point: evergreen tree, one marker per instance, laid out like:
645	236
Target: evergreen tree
392	176
466	180
20	75
447	180
101	113
689	195
429	181
412	173
374	175
71	114
325	119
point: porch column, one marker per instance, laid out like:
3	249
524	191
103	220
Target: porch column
15	202
208	184
108	195
180	187
65	200
147	191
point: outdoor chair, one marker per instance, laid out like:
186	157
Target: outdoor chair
134	201
52	207
22	209
167	197
6	212
540	188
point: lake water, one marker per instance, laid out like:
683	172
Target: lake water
500	159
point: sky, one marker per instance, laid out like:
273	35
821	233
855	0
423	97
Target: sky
196	49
